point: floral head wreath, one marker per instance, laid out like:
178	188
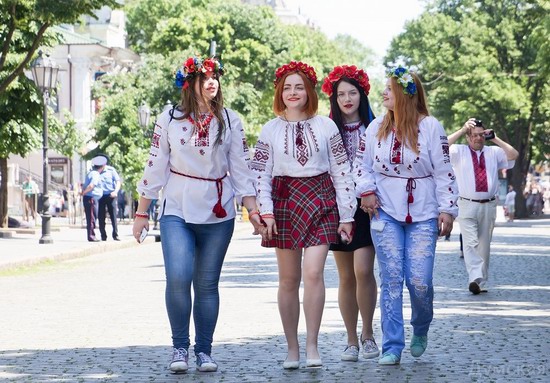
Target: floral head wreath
404	78
295	66
195	65
349	71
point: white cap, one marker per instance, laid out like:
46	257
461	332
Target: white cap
99	161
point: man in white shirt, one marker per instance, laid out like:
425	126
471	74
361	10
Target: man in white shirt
476	167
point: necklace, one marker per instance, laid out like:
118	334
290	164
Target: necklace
202	123
352	127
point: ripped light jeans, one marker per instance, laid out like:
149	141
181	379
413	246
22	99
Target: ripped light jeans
404	252
193	254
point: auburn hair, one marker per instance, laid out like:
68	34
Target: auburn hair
190	102
310	108
406	114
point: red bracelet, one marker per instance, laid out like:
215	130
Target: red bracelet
368	193
141	215
253	213
267	216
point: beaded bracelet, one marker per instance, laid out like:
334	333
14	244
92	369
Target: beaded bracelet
141	215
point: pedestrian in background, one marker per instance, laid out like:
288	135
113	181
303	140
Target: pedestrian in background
405	180
199	158
30	191
348	89
476	166
306	199
91	194
510	203
110	183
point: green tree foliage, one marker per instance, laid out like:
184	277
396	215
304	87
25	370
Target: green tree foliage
23	28
488	59
252	43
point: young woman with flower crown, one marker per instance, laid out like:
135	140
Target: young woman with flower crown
348	89
404	176
306	199
199	158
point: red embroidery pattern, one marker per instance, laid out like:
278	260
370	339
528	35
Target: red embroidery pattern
155	140
301	148
303	141
203	129
261	156
396	156
338	150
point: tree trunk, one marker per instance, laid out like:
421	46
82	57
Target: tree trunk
3	192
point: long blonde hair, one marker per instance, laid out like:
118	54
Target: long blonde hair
406	114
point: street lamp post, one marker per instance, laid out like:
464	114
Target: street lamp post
44	74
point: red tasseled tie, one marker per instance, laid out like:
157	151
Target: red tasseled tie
411	198
408	219
219	210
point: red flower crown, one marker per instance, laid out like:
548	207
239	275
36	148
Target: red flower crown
295	66
349	71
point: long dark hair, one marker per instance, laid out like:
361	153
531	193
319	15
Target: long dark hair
365	112
189	103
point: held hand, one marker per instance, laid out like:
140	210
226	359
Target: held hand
270	228
345	231
370	205
256	222
139	224
445	224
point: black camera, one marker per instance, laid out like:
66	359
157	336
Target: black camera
490	134
478	123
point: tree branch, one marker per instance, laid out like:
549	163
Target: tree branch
7	41
17	71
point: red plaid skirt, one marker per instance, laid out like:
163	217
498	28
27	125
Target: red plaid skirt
305	211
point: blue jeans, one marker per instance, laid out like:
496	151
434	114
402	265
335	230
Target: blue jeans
194	254
404	252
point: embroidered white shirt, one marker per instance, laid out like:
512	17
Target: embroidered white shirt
384	167
461	159
177	145
303	149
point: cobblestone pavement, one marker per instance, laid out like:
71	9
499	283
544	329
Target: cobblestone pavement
101	318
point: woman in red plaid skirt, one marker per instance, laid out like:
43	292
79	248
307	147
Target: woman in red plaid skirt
306	198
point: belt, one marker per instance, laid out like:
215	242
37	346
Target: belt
479	200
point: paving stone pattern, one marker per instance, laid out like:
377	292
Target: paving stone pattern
101	318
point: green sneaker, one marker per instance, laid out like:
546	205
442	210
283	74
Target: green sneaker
388	359
418	345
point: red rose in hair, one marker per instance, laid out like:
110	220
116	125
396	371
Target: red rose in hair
350	70
208	66
336	74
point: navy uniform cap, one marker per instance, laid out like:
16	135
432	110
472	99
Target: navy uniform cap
99	161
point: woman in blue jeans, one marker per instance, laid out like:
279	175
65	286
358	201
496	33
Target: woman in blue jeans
199	158
404	178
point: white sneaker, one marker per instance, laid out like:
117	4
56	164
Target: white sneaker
370	348
205	363
350	354
180	359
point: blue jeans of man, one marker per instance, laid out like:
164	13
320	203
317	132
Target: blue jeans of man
405	252
193	255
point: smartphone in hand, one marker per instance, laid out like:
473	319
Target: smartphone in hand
143	235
